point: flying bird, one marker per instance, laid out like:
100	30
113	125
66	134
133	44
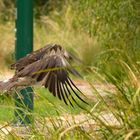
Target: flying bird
49	67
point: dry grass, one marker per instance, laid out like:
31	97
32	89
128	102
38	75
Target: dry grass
7	44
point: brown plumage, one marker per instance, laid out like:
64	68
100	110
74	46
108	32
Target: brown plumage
49	67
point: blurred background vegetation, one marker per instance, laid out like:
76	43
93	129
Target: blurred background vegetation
105	34
94	26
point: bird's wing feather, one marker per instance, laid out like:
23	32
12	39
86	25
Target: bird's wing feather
39	54
33	57
52	73
50	67
59	83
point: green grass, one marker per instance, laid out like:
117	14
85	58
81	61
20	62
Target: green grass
6	110
48	105
123	103
45	105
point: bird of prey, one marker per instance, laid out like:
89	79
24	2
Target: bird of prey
50	67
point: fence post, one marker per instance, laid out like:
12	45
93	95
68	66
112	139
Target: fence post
24	45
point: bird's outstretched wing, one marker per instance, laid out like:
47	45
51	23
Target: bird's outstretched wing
33	57
50	67
40	54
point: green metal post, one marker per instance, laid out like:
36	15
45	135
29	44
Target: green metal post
24	45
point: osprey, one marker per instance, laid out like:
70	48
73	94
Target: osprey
49	67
